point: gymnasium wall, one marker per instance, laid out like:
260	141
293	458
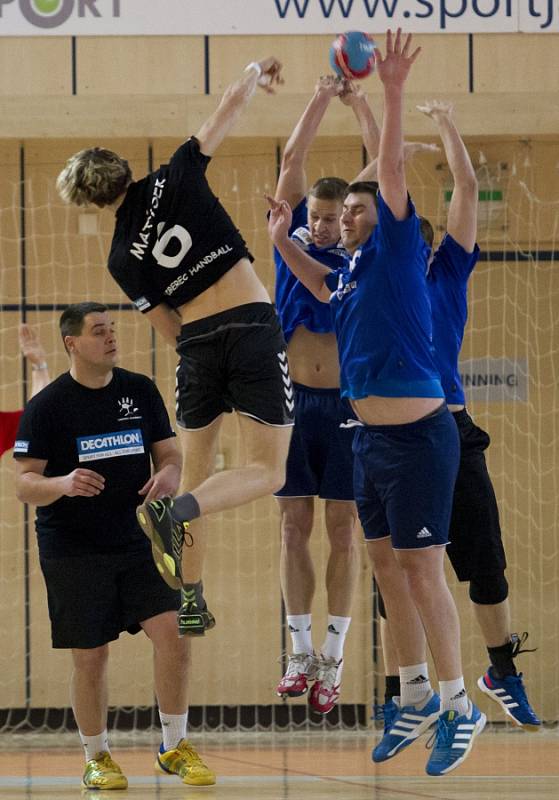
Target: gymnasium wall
139	96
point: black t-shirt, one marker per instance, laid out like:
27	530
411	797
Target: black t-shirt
173	238
109	431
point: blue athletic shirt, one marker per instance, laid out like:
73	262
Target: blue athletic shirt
294	303
447	283
382	313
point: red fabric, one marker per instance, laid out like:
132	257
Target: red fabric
9	421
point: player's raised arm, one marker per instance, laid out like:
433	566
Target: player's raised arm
462	212
310	272
33	350
393	70
266	74
370	172
292	182
354	97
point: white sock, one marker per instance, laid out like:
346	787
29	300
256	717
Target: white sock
300	629
95	744
333	646
415	686
454	696
173	727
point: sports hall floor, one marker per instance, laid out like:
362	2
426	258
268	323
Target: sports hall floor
505	764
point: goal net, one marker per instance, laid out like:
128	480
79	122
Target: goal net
53	255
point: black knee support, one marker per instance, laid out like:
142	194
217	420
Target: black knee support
489	590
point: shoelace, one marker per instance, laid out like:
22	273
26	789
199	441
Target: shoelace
442	734
297	663
378	712
517	641
327	672
107	762
187	749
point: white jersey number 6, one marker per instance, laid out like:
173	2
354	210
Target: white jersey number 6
184	240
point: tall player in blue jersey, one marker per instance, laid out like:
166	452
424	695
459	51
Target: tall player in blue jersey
476	549
320	457
407	448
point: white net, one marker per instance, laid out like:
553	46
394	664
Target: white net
52	255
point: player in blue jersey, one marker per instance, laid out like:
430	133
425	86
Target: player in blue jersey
476	549
406	448
320	460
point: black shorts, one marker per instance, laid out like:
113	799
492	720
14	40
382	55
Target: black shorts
93	598
234	360
476	546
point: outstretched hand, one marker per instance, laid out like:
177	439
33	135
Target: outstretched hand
394	68
437	109
329	85
271	74
351	93
30	346
280	219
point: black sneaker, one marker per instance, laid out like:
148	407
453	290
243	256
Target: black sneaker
193	619
166	536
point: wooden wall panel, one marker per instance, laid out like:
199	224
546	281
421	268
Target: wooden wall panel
140	65
442	67
36	65
10	201
515	63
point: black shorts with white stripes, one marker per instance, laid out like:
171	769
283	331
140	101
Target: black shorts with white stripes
234	361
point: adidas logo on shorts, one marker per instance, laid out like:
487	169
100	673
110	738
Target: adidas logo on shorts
424	534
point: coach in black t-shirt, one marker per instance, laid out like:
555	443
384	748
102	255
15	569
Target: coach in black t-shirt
179	257
84	450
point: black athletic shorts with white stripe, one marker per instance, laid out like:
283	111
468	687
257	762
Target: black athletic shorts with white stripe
234	361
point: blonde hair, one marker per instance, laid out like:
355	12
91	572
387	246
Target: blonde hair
95	176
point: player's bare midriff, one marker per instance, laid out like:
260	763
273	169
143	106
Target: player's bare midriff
394	410
453	407
313	359
240	285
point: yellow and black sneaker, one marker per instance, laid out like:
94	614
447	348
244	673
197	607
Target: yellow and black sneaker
185	762
167	537
194	617
101	772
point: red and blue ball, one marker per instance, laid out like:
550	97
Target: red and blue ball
352	55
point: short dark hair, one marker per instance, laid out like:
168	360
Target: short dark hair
426	231
71	321
363	187
329	189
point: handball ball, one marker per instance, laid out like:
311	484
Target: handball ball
352	55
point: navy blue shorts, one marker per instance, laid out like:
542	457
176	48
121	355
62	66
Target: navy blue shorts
320	460
404	478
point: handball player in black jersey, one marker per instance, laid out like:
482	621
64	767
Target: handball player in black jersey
180	259
84	450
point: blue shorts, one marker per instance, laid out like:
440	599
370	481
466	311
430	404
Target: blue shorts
404	478
320	459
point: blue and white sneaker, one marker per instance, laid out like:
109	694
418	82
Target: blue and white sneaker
407	724
454	738
510	694
386	712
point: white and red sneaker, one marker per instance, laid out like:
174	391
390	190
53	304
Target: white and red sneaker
326	689
301	668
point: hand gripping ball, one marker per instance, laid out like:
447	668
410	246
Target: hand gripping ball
352	55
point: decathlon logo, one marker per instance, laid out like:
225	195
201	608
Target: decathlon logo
21	446
109	445
52	13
